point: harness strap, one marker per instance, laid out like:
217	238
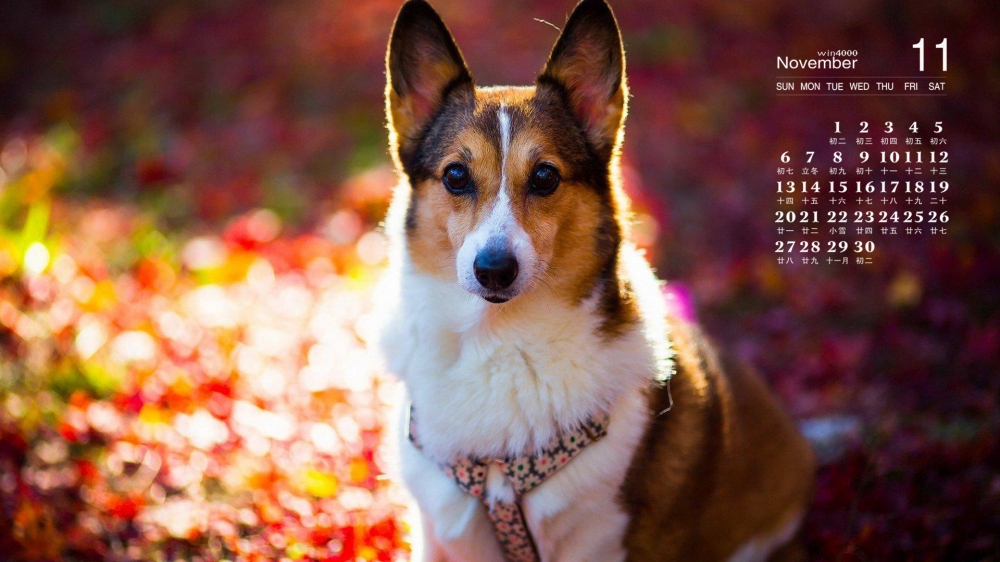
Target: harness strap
524	473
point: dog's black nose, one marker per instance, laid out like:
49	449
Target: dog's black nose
495	268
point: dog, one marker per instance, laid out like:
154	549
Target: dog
520	318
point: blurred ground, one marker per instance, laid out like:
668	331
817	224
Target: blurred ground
188	193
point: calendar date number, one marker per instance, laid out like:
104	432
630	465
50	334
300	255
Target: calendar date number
816	247
861	217
863	187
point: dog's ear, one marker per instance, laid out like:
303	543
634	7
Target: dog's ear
587	67
423	68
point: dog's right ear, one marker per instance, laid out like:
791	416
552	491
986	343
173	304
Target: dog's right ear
423	68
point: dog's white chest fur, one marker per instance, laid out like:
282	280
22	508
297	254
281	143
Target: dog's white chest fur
489	385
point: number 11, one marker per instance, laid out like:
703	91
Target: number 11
943	45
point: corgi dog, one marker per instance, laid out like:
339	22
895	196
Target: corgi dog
516	309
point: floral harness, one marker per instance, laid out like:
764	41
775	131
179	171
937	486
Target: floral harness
524	473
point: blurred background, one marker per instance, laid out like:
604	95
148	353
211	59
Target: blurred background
189	200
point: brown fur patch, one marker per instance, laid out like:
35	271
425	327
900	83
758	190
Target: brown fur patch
723	466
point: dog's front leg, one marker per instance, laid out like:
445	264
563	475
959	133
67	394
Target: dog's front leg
474	543
425	546
454	526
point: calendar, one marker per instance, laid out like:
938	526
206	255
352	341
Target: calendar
872	178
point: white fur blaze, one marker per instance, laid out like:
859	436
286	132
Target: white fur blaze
499	226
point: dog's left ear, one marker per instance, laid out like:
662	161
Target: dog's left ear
587	65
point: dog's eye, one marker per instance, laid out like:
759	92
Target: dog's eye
544	179
456	179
